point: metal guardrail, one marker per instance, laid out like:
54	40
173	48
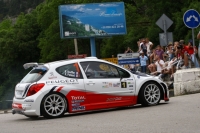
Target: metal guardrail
6	105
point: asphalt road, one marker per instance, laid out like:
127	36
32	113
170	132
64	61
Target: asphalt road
180	115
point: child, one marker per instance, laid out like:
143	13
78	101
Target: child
143	62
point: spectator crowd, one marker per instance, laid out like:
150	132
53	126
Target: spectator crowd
165	60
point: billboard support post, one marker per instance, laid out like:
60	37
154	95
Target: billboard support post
76	46
93	46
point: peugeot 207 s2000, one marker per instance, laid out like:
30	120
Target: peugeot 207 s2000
54	88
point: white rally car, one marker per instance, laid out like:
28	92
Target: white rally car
76	85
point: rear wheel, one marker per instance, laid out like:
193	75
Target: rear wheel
150	94
53	105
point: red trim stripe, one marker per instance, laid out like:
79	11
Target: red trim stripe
59	89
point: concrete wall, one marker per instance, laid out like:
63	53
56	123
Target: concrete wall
187	81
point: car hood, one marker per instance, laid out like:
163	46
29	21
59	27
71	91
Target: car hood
140	74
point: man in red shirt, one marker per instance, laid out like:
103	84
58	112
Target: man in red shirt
191	52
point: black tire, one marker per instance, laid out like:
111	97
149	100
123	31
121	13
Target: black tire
53	105
150	94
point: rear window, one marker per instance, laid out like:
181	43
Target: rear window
34	75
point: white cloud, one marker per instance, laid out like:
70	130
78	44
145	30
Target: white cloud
108	5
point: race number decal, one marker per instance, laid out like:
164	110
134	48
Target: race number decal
123	85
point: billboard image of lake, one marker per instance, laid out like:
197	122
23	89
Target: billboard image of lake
92	20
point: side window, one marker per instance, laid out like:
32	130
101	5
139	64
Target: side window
99	70
70	70
123	73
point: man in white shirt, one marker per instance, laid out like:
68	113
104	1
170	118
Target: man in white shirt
159	65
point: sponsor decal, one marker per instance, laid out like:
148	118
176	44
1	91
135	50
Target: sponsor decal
76	104
116	84
77	101
29	100
123	85
129	79
52	76
105	86
71	73
110	84
113	99
78	97
78	108
130	85
138	76
62	81
130	82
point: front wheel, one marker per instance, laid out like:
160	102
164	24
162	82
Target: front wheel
150	94
53	105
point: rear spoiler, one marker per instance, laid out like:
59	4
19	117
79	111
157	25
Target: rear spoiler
33	64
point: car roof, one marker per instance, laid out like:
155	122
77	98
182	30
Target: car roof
63	62
68	61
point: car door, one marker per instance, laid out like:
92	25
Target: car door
72	86
104	85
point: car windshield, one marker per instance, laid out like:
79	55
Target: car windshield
34	75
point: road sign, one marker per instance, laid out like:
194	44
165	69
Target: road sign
164	20
162	38
191	18
127	56
129	61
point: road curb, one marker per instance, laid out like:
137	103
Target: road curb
5	111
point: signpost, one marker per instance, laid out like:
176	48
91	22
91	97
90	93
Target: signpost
128	58
164	23
162	38
191	19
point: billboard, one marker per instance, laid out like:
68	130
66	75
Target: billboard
92	20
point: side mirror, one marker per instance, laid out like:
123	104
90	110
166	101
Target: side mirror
121	78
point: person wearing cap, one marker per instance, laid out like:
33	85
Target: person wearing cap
143	62
182	43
